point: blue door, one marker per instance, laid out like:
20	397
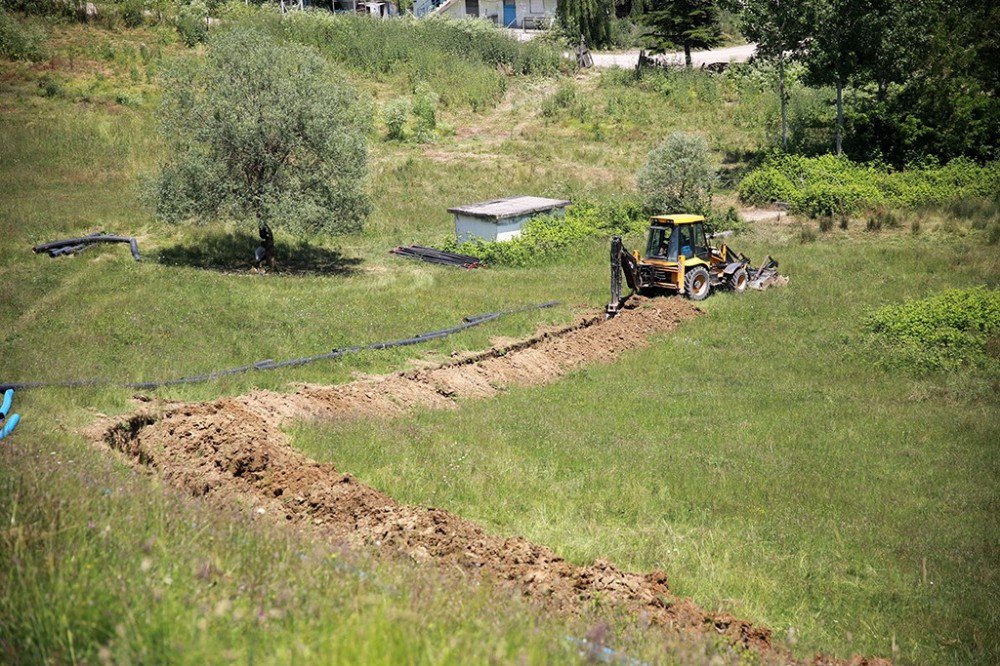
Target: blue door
509	13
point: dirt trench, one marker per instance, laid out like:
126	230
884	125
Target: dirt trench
233	450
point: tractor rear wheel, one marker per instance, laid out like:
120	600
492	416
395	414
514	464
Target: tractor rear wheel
697	284
738	280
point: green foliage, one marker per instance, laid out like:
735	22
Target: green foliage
920	86
466	63
425	102
263	131
589	20
395	114
882	218
548	237
688	24
678	176
943	332
20	41
563	98
829	185
192	22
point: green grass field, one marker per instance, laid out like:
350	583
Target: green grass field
759	455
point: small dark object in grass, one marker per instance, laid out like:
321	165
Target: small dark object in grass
826	223
77	245
844	221
807	234
434	256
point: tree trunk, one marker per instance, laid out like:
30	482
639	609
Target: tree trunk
840	117
264	256
687	56
784	102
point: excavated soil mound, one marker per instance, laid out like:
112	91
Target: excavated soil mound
232	450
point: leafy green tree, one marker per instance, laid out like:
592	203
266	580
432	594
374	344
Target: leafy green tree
843	43
264	132
678	176
779	28
690	24
586	19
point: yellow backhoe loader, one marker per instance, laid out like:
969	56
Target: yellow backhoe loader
680	258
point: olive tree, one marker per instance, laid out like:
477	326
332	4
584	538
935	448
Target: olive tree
678	176
263	132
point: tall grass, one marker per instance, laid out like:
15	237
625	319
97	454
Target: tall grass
466	62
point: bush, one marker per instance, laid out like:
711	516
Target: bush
192	22
678	176
425	113
263	131
19	41
730	220
830	185
945	331
395	114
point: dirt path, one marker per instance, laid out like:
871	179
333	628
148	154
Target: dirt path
629	59
232	450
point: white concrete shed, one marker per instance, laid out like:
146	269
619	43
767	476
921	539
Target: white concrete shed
501	219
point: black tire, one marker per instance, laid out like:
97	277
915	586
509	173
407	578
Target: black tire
738	280
697	283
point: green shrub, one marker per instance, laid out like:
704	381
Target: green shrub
766	186
830	185
131	13
48	86
945	331
730	220
395	114
425	104
20	41
678	176
192	22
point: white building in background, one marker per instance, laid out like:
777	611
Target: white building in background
538	14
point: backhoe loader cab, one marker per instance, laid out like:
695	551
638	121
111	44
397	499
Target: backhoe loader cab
679	258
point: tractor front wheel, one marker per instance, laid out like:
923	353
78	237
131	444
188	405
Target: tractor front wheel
697	283
738	280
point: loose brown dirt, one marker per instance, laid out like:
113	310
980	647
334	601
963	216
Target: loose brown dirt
232	450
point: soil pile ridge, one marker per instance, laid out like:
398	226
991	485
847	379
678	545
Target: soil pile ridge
232	450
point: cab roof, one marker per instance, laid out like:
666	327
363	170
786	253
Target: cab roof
676	219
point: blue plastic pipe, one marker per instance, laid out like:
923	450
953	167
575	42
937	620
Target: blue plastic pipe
10	425
8	398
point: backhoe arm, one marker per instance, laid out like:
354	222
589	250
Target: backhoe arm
622	261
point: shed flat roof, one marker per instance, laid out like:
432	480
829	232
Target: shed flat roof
498	209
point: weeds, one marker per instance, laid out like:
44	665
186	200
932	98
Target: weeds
940	332
882	218
20	41
395	113
829	185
